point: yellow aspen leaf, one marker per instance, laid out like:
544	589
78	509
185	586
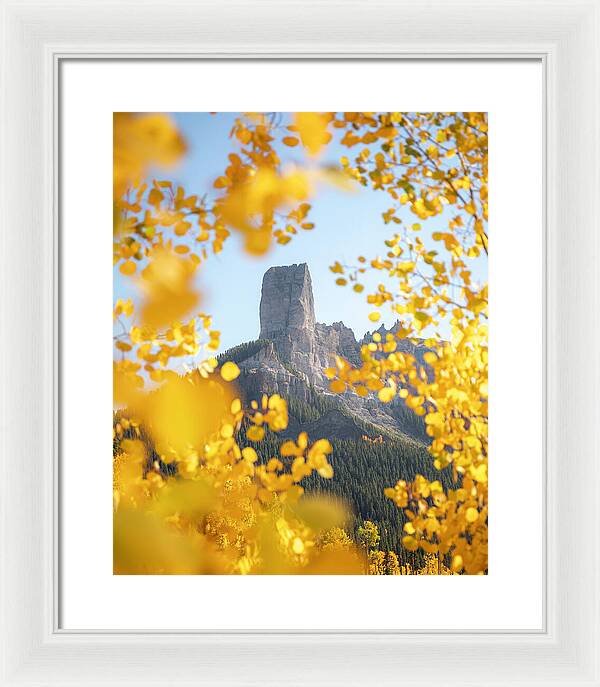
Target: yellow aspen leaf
472	514
230	371
221	182
249	454
289	448
326	471
312	128
290	141
405	267
128	267
155	198
410	543
255	433
243	135
181	228
480	473
375	316
386	394
457	563
124	307
227	431
337	386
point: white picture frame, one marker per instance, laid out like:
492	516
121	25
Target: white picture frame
564	35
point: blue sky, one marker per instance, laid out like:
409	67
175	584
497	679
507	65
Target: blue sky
346	225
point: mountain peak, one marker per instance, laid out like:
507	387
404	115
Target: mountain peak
286	300
292	354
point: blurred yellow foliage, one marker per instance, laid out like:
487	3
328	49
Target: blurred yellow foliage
141	141
169	294
312	128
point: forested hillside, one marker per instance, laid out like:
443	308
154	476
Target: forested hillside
363	468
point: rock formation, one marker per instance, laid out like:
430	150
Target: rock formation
286	302
292	353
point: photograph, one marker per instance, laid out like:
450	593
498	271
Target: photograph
300	343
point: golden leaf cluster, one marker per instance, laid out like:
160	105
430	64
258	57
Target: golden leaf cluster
442	158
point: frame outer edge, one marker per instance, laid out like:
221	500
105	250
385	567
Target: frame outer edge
32	652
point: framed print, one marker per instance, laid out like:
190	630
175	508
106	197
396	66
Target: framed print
247	431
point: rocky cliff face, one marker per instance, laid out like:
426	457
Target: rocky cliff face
286	302
292	353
